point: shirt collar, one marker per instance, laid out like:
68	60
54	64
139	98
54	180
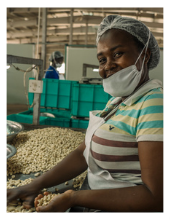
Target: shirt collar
149	85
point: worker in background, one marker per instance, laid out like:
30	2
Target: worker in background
56	58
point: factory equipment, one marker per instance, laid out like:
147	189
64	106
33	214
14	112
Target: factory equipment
13	128
11	151
89	80
35	85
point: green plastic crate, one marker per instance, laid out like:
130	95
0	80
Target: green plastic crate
62	117
60	122
28	119
79	123
56	93
88	98
55	112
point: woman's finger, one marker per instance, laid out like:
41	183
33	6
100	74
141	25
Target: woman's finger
28	202
46	208
36	199
40	196
46	193
26	205
11	197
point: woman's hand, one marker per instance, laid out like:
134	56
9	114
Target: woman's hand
26	193
60	203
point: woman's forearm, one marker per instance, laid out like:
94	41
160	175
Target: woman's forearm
71	166
131	199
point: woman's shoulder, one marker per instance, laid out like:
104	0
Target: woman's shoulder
153	97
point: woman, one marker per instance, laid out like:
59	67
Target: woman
123	147
56	59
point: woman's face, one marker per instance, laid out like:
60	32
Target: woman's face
59	60
116	50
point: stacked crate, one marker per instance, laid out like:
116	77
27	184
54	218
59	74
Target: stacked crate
55	99
86	98
69	101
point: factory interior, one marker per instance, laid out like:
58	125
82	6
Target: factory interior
47	118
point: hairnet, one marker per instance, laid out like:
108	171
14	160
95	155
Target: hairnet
55	55
135	28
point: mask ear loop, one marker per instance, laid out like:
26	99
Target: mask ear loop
146	45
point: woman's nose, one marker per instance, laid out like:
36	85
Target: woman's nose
110	65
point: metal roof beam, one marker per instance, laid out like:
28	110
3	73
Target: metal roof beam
65	21
29	33
62	31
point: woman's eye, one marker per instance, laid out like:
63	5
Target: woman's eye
101	61
117	55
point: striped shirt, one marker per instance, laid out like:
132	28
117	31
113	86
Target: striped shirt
114	145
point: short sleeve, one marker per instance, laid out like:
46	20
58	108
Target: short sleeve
150	120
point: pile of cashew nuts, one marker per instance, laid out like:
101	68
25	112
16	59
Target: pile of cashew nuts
38	151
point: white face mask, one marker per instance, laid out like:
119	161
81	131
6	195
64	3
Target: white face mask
124	82
58	65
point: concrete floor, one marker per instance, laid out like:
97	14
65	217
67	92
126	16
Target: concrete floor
16	108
